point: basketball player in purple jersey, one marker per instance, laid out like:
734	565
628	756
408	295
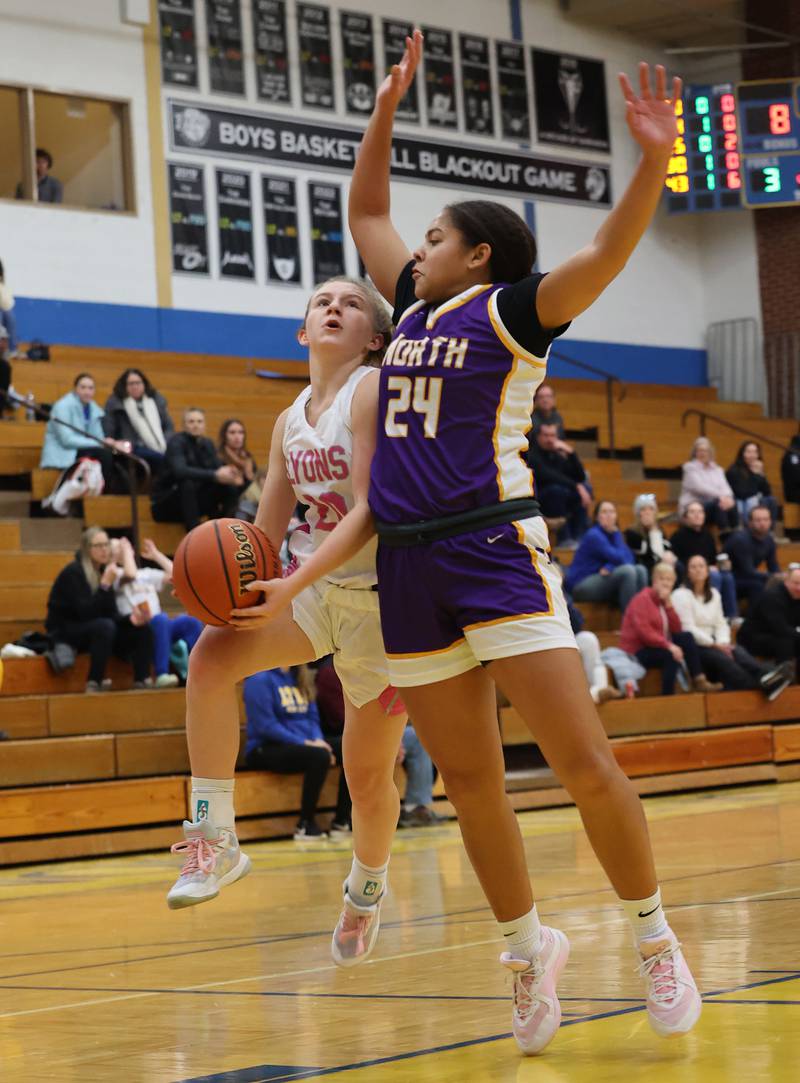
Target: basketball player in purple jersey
467	591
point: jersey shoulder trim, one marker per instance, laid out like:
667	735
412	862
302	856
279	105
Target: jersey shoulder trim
455	302
410	310
508	339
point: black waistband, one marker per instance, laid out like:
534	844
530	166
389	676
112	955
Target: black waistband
448	526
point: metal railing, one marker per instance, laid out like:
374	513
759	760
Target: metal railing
704	416
610	380
132	461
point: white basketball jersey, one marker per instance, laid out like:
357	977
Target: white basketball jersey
319	462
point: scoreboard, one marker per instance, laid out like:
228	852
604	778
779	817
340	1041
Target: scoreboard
737	146
704	172
769	124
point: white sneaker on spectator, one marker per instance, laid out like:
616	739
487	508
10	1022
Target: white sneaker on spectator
213	860
167	680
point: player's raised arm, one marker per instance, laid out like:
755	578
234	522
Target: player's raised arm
381	247
575	284
277	497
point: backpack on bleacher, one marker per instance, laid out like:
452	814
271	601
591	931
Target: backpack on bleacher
84	478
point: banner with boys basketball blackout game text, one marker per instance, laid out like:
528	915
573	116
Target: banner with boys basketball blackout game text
272	139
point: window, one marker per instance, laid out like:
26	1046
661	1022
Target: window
11	125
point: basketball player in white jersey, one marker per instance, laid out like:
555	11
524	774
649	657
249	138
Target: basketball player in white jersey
320	455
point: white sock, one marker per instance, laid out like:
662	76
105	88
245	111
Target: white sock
522	936
212	800
364	884
646	916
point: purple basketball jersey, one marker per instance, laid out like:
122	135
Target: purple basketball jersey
456	395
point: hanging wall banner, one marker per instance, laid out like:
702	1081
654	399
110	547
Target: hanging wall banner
394	45
440	82
571	107
358	63
512	84
235	218
316	73
187	216
476	84
271	51
280	223
178	44
327	243
266	139
225	62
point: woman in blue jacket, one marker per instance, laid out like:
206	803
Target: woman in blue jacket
603	568
62	447
284	736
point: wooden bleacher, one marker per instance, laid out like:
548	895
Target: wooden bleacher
107	773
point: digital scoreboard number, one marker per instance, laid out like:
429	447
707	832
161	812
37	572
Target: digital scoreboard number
704	172
768	115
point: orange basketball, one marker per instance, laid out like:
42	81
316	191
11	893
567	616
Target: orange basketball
214	564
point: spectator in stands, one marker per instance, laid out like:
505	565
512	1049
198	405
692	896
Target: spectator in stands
137	415
699	608
790	472
232	450
749	484
49	189
545	413
651	630
82	611
772	626
603	568
192	481
693	538
62	446
417	807
137	590
7	318
561	483
284	736
5	374
589	648
749	548
704	480
645	538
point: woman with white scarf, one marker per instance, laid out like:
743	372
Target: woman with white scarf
138	414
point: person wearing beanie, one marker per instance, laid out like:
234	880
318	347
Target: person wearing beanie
645	538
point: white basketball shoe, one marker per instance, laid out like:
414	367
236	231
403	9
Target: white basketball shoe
213	860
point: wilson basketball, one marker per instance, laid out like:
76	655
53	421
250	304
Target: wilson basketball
214	564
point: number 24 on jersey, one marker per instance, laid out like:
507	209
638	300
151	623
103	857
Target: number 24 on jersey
420	394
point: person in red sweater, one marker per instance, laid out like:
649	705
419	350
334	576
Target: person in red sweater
651	629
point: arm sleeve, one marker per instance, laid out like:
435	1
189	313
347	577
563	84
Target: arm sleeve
180	468
741	555
638	613
516	305
772	559
64	436
404	295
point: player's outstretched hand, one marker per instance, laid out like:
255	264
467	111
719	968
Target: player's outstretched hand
651	115
278	595
401	75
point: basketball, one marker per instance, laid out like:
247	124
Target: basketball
214	564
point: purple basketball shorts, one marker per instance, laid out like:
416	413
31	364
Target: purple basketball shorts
449	605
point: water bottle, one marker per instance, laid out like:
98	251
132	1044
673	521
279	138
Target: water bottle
30	411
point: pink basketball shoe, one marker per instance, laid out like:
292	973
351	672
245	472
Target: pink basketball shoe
673	1001
356	931
537	1012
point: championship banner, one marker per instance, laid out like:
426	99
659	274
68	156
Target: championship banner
316	73
187	216
224	30
512	84
178	43
394	45
358	63
327	241
263	138
271	50
571	108
235	218
440	80
476	84
279	200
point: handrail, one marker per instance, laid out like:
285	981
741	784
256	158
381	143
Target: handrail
704	414
610	380
132	460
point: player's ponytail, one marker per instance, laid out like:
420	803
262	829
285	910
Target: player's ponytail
513	245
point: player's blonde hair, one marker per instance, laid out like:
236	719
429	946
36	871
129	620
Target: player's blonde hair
381	316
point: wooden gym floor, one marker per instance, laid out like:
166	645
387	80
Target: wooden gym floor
99	981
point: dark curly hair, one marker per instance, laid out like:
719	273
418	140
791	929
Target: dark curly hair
513	245
120	390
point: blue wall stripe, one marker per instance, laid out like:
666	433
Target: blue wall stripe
78	323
